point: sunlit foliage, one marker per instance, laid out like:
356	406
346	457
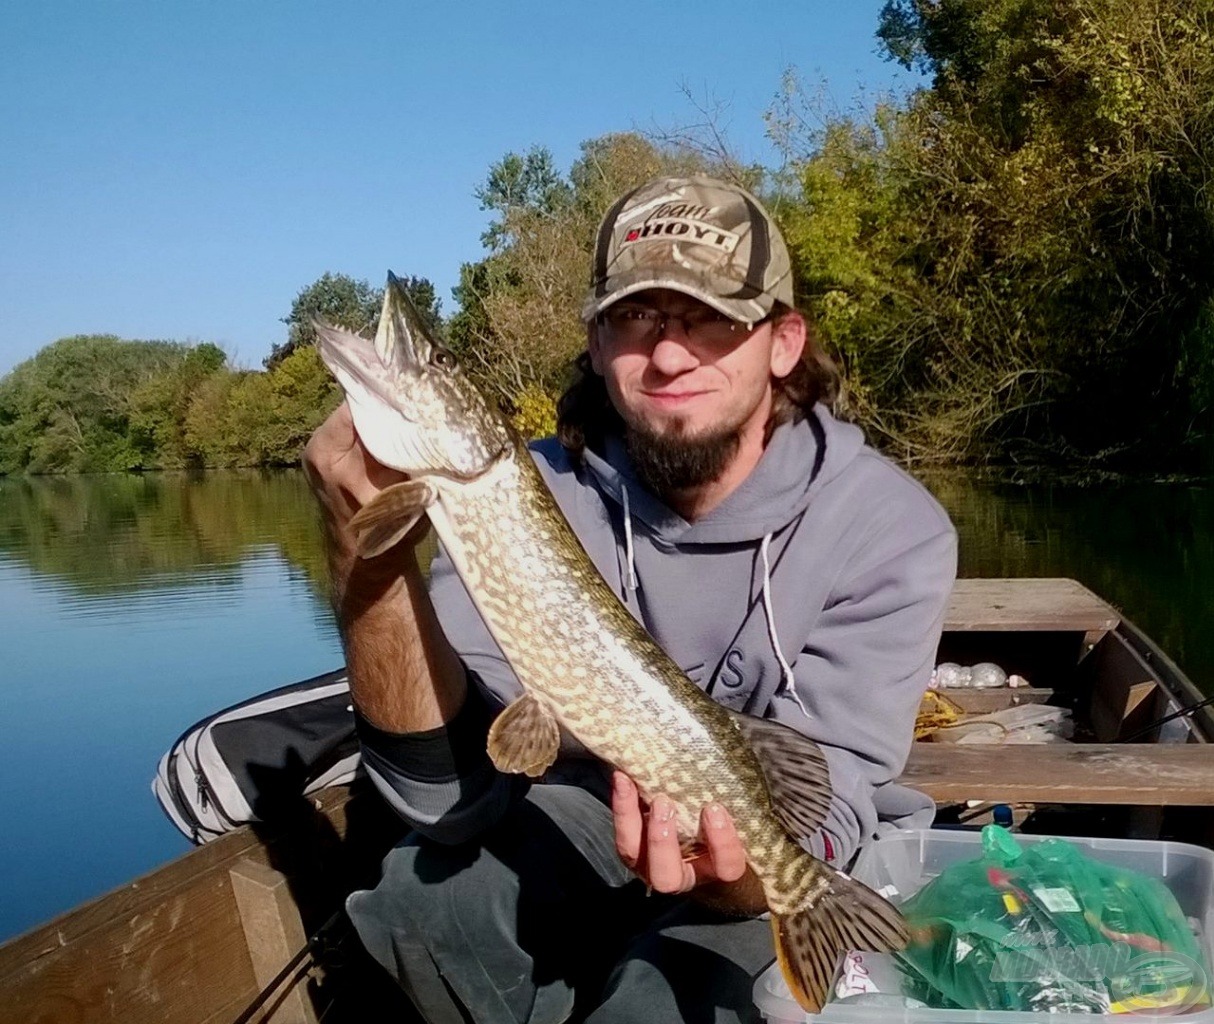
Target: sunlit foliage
1014	265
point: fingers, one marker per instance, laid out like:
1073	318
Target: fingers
648	841
333	437
340	470
629	821
667	870
726	854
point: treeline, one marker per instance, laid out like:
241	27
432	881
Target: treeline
1012	266
1016	264
100	404
97	403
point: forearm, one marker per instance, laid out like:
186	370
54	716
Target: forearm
404	675
441	781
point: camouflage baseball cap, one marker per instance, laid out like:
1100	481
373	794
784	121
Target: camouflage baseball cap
706	238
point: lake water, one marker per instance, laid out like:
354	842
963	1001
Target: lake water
132	606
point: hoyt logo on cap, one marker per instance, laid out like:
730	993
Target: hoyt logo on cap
703	237
683	221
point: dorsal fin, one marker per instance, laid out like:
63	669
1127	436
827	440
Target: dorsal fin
798	777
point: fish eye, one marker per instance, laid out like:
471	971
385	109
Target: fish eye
441	357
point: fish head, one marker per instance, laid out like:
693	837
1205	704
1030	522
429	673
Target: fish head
414	407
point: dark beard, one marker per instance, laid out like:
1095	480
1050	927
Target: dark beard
673	462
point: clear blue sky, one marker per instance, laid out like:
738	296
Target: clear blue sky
182	169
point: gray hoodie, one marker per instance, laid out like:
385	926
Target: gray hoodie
814	594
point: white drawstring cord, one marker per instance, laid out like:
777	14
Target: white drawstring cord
629	553
788	686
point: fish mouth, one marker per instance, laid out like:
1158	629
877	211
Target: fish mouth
373	366
354	361
402	339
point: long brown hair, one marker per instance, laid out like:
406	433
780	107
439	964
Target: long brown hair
585	415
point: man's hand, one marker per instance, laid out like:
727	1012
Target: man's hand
648	842
343	475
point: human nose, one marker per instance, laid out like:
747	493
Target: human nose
672	352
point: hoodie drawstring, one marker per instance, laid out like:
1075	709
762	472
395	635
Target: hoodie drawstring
629	551
788	685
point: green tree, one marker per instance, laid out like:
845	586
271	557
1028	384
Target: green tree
160	405
1010	263
70	407
334	298
258	418
521	181
345	302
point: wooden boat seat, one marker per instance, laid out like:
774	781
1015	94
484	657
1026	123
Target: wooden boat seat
1148	774
1027	604
1056	619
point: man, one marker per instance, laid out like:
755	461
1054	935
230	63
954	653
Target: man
791	571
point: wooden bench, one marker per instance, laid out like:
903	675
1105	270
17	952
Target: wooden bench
1027	605
1130	774
1147	774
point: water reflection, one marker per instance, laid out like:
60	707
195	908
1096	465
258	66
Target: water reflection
181	541
126	533
1148	549
131	607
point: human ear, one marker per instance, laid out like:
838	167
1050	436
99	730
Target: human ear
593	347
788	335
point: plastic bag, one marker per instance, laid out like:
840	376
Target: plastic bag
1045	928
948	675
1024	723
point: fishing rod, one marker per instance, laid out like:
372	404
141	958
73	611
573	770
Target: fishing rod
1169	718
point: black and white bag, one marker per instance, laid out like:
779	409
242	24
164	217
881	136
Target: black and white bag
257	759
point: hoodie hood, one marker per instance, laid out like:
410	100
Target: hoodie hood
777	490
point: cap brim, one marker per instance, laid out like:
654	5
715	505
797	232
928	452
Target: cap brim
694	285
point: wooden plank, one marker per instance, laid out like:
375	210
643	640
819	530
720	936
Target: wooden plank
1029	604
1152	774
175	961
274	934
158	949
134	898
163	948
983	702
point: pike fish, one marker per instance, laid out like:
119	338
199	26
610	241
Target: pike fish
583	661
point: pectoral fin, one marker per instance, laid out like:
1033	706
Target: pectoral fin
524	738
392	513
797	775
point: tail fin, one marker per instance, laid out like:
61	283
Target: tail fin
809	942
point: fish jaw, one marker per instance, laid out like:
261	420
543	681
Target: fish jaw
413	407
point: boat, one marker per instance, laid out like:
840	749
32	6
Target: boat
249	928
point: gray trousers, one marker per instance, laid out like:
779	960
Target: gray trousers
538	921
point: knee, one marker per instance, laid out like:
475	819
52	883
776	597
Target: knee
427	888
